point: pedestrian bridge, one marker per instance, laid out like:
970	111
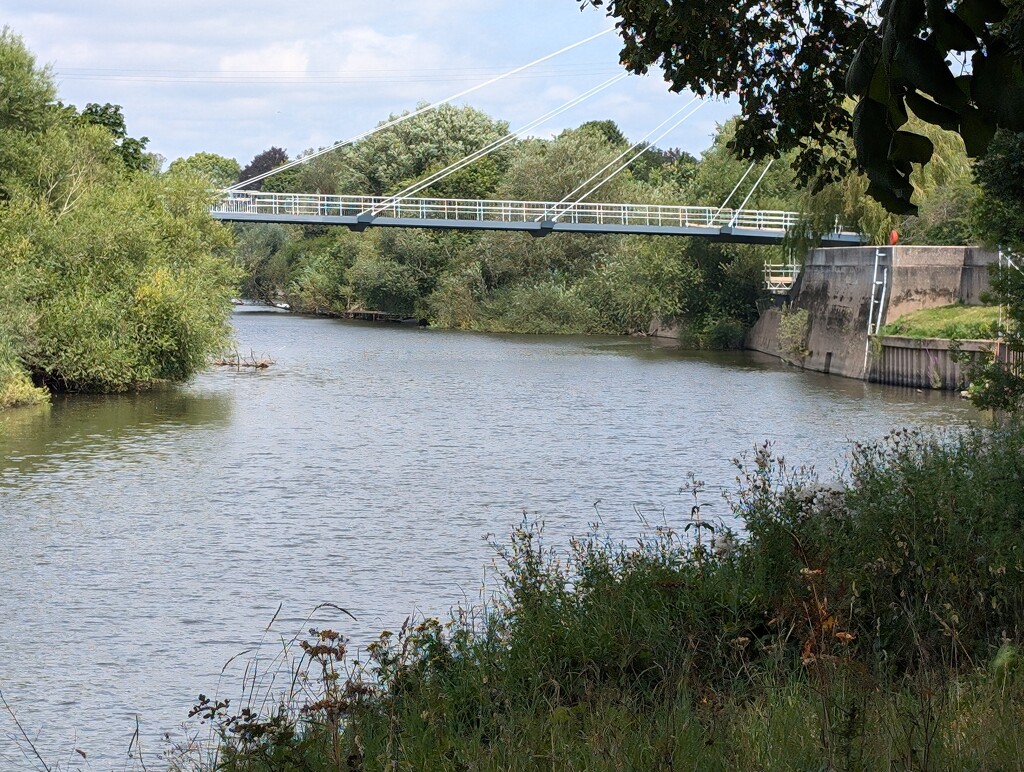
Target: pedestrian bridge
538	218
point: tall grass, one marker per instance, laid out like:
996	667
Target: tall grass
867	624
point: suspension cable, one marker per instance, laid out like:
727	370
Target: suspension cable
733	192
640	144
736	212
413	114
441	174
639	153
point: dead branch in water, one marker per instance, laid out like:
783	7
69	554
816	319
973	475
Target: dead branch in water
240	362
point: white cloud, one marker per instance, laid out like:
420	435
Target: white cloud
186	73
290	60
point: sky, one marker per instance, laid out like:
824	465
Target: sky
235	77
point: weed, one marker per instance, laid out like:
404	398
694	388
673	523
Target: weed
868	623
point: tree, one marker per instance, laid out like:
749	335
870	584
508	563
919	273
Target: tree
657	167
261	164
111	278
790	63
608	129
998	217
27	108
999	213
550	170
132	151
216	170
784	59
394	158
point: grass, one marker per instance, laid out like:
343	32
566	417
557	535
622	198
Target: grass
871	624
956	322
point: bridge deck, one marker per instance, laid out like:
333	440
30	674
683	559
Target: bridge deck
536	217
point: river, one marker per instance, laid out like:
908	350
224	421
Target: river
147	539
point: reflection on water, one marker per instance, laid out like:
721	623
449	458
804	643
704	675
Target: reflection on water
72	427
148	538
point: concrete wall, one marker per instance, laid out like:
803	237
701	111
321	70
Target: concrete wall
835	289
926	277
974	281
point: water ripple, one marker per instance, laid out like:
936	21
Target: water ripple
149	538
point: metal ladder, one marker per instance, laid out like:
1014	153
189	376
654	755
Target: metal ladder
876	311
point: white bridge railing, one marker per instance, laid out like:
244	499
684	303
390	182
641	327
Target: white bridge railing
371	207
779	279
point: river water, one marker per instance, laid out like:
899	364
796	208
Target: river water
147	539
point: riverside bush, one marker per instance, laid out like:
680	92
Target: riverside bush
112	276
863	624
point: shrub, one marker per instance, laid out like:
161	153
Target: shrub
545	308
853	625
794	327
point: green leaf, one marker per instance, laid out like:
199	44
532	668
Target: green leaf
950	30
871	136
925	68
997	87
930	112
863	66
906	17
978	14
897	111
911	148
977	132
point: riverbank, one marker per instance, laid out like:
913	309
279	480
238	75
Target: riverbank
363	468
865	625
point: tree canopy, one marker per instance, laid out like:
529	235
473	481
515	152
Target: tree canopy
216	170
111	277
262	163
791	64
110	117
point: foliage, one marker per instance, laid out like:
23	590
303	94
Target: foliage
544	308
642	281
262	252
262	163
395	157
858	625
956	322
794	326
999	219
790	64
785	61
995	384
110	117
944	190
510	281
16	389
113	277
27	97
999	214
216	170
550	171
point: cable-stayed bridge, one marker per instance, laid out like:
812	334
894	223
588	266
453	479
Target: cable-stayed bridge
573	214
538	218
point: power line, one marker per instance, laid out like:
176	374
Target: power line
333	80
164	70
